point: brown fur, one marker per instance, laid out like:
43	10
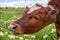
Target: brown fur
56	4
38	19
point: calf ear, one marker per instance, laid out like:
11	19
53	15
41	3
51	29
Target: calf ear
26	10
27	7
38	5
51	15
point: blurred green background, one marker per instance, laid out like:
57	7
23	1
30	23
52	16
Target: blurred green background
8	15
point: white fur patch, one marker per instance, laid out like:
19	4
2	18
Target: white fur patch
33	9
59	38
52	7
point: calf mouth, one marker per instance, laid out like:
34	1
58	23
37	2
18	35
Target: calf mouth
15	28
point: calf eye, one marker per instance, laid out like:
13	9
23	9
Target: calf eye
36	18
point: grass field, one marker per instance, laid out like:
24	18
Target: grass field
9	15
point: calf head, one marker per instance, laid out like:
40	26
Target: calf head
34	19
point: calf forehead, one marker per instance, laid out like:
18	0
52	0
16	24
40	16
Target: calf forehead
43	10
33	9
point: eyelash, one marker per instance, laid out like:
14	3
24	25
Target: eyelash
35	18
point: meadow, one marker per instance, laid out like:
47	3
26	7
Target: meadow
8	15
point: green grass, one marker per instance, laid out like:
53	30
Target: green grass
9	15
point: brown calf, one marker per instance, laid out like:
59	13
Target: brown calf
34	19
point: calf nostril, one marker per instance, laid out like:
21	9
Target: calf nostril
15	27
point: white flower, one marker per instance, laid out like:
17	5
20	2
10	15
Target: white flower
14	16
45	36
1	28
11	36
53	30
33	36
12	20
59	39
21	38
6	33
5	22
26	39
26	35
1	34
16	36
